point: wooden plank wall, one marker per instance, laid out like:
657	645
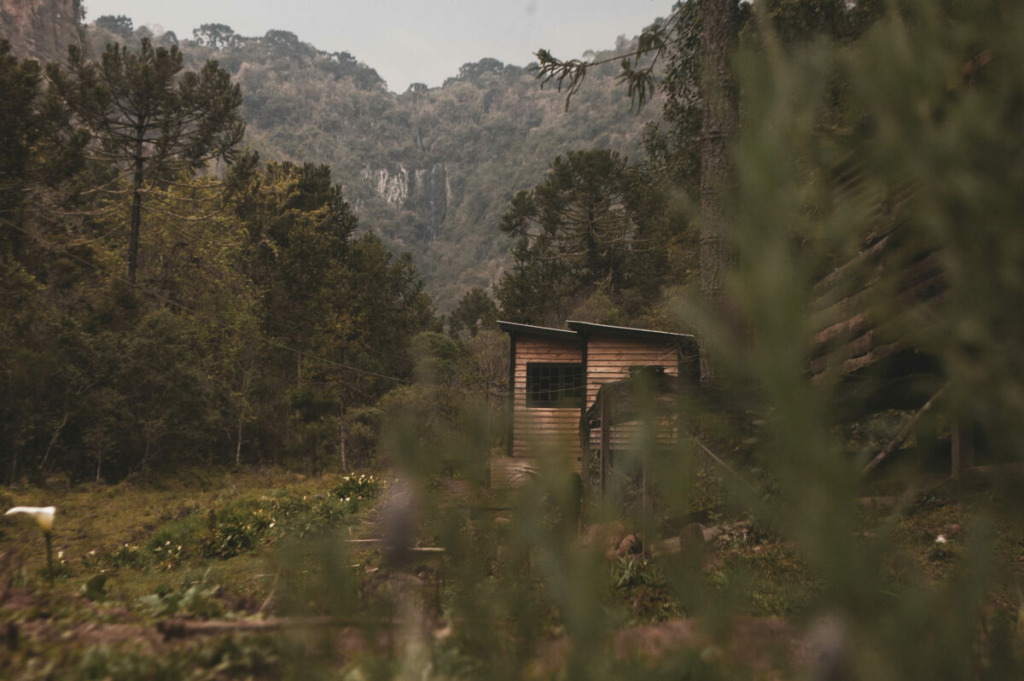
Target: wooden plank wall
535	426
610	357
540	431
624	436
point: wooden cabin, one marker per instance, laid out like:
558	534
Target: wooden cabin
555	377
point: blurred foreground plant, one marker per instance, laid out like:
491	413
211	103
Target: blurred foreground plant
44	518
925	106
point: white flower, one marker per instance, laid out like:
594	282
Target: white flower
941	539
42	514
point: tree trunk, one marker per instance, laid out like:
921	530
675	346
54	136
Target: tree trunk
719	33
12	471
341	438
238	444
136	217
53	441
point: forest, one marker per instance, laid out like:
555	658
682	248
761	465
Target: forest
250	352
428	169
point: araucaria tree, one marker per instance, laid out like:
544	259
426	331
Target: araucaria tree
579	232
148	118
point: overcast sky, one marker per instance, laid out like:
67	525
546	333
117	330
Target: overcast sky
410	41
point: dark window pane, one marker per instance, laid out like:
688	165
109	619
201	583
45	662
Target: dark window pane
554	385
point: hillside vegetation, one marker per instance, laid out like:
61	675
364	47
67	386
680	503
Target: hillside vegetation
430	170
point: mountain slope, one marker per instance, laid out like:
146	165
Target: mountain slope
40	29
430	170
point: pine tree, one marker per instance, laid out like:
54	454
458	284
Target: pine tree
148	118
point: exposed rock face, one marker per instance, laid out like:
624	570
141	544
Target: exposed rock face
41	29
393	187
424	191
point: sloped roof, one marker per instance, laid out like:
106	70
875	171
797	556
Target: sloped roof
578	329
589	329
512	328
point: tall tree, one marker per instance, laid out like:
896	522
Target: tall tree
580	231
150	119
719	34
34	151
475	312
696	44
298	232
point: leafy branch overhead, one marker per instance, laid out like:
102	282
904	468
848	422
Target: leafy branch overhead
638	65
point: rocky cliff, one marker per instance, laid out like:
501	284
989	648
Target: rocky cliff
41	29
423	190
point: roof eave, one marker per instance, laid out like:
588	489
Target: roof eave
514	328
588	328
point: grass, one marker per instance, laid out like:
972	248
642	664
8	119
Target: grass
258	543
129	555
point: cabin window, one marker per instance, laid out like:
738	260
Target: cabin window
554	385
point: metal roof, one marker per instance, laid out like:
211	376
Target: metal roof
581	330
589	328
514	328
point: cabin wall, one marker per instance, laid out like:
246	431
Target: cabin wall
626	436
610	358
539	427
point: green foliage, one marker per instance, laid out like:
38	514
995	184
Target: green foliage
217	36
344	304
255	295
217	658
474	312
871	604
247	523
119	25
484	372
361	487
194	597
429	169
641	585
95	589
149	119
36	149
102	662
922	107
583	231
126	555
